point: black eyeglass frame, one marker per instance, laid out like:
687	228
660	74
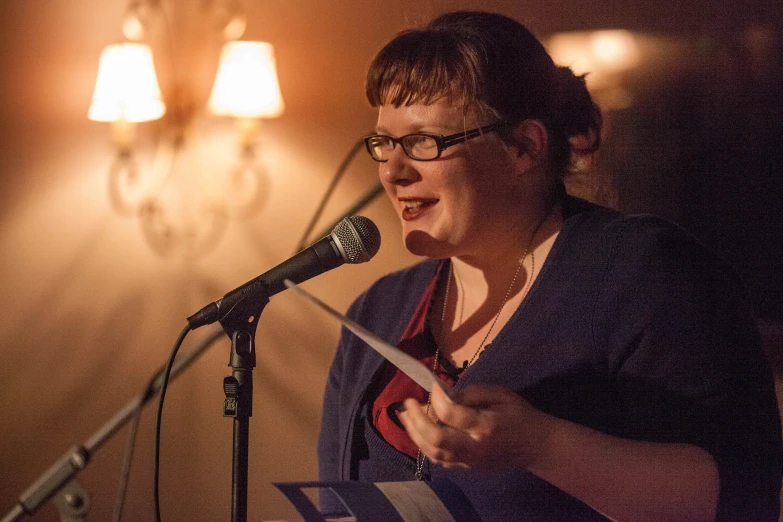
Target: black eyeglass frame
443	142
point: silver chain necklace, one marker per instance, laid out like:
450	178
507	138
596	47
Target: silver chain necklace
420	457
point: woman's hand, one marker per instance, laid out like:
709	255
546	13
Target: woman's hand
491	428
487	428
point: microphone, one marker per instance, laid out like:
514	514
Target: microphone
354	240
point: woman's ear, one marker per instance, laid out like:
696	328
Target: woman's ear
532	140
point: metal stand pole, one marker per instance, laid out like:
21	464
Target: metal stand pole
240	325
239	404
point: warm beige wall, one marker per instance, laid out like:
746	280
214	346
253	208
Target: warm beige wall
89	311
94	311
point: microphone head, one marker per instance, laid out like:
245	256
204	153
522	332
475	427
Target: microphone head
357	238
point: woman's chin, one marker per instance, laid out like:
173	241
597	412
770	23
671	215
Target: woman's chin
422	244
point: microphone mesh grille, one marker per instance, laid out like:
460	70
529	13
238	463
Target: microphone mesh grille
358	239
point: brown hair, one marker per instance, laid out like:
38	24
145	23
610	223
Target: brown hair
493	63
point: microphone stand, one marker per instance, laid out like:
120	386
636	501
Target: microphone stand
63	472
240	323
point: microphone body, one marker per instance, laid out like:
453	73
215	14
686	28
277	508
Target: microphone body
355	239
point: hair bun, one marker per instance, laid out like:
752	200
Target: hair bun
573	107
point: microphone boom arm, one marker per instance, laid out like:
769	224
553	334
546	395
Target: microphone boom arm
76	458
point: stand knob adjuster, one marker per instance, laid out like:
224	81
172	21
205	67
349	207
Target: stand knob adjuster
231	389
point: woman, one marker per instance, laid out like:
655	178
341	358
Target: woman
604	366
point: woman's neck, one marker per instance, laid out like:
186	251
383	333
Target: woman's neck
491	268
483	296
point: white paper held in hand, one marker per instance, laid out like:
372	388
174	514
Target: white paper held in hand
410	366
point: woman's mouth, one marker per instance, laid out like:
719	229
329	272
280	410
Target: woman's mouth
414	208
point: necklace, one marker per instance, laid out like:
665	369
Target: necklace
467	363
420	457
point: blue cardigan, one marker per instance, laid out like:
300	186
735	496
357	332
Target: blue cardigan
632	328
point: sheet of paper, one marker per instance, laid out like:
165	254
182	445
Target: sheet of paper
439	500
410	366
415	501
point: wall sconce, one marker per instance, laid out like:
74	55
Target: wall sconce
603	56
194	212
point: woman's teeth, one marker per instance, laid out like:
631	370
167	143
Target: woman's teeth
415	205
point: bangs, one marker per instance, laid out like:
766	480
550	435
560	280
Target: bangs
422	67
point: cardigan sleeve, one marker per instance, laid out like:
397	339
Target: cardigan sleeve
332	431
332	434
328	436
687	358
385	309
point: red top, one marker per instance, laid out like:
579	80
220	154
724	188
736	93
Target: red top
418	342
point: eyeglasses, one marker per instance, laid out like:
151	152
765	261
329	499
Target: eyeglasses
420	146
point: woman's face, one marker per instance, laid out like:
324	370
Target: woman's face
461	204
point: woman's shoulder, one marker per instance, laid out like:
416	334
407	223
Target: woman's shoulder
406	278
644	247
394	292
598	219
618	230
387	305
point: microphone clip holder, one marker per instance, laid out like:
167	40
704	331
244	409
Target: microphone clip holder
240	324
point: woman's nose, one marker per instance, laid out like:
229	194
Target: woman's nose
399	169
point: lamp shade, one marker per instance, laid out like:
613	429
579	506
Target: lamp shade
126	88
246	84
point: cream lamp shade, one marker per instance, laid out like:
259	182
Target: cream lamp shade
126	88
246	84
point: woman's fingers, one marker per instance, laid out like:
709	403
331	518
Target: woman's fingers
453	412
439	442
482	427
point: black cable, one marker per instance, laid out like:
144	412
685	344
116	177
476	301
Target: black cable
136	408
337	175
362	202
163	387
130	444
